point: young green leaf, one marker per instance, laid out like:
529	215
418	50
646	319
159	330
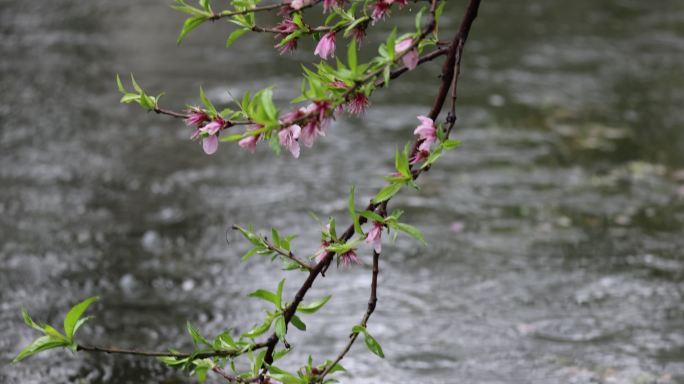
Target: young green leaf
411	230
207	103
197	339
451	144
280	328
71	321
387	192
190	24
314	306
351	56
372	216
29	321
40	344
298	323
279	293
370	341
266	295
119	84
373	345
352	212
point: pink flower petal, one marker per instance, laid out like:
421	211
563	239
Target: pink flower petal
403	45
210	144
411	59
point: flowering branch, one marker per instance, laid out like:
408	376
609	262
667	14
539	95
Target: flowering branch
328	89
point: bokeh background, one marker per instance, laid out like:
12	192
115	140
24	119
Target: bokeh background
569	189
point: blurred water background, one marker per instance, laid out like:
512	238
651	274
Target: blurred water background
555	232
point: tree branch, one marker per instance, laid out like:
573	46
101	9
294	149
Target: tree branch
201	355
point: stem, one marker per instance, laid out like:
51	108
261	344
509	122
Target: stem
202	355
287	255
372	301
234	379
259	9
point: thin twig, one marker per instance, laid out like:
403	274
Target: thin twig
288	255
234	379
372	301
201	355
264	8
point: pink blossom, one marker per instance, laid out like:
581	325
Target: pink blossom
348	258
359	34
287	47
309	133
291	117
213	127
374	235
402	3
288	139
298	4
322	251
427	132
327	4
326	46
358	103
285	27
249	143
209	135
196	117
411	58
322	108
419	156
338	84
380	9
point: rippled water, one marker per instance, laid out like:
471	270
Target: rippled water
567	196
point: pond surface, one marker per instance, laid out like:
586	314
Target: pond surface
555	232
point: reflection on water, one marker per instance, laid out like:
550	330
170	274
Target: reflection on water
568	192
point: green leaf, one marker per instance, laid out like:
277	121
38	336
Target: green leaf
236	34
411	230
266	295
373	345
260	329
129	98
40	344
401	162
314	306
336	368
280	328
197	339
351	56
207	103
279	293
386	76
146	101
205	4
50	331
136	86
29	321
451	144
258	362
298	323
201	368
370	341
190	24
284	376
372	216
352	212
119	84
387	192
